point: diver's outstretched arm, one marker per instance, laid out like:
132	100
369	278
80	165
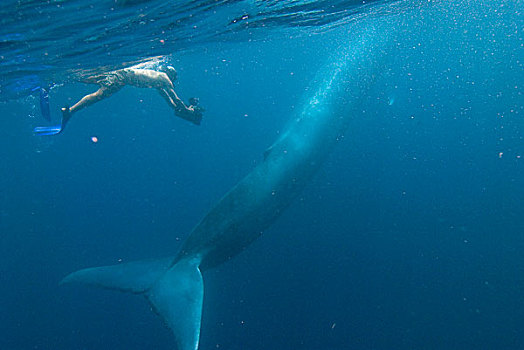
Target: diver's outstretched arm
172	99
181	110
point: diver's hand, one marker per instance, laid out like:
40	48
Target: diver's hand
196	109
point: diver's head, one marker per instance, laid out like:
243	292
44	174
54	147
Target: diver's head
170	71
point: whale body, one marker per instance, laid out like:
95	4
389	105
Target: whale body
174	286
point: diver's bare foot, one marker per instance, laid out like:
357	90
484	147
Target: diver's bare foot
66	115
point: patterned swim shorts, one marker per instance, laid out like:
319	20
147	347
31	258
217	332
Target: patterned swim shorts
111	80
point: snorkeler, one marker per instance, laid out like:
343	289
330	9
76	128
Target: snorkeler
111	82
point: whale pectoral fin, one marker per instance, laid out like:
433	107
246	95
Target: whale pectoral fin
177	297
134	277
175	291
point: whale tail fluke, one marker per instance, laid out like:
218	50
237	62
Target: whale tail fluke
176	291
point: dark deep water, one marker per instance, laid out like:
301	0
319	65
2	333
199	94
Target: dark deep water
410	236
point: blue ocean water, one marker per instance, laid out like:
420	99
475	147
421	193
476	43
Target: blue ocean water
409	237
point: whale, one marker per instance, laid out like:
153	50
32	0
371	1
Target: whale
174	286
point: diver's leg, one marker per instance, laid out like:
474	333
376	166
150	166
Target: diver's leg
88	100
102	93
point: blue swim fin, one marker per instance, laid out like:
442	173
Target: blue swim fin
47	130
55	129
